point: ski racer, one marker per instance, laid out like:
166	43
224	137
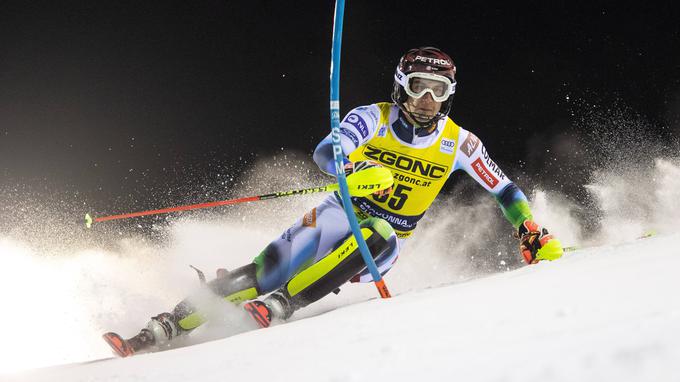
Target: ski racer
422	146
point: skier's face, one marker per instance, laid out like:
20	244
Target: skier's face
423	108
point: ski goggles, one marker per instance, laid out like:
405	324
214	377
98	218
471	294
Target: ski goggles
417	84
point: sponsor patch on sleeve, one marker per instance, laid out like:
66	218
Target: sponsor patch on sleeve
484	173
448	146
349	134
491	165
358	122
470	144
370	112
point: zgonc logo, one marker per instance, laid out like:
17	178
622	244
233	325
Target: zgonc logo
406	163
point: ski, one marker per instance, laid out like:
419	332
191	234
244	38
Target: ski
645	235
119	345
144	341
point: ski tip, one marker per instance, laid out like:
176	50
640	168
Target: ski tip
118	344
88	221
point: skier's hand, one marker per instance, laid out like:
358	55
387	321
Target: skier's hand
353	167
536	244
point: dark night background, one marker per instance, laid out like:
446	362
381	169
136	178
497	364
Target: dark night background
112	103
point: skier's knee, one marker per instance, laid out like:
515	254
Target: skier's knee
343	262
383	229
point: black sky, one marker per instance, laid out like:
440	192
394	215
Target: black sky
108	98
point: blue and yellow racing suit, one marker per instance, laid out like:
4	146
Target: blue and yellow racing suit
420	164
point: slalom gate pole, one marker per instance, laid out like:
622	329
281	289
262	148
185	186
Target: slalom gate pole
361	184
337	150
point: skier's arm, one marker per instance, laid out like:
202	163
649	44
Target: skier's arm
536	243
474	159
323	154
356	128
514	204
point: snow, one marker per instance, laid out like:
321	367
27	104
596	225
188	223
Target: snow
603	313
606	312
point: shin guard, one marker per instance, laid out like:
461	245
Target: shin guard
338	267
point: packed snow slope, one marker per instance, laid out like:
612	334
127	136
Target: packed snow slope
608	313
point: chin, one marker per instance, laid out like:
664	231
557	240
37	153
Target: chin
422	117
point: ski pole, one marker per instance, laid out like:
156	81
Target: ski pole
362	183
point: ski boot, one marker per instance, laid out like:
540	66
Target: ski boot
159	331
275	306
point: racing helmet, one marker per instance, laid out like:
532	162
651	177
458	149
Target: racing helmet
425	70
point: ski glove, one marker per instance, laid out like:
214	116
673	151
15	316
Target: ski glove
353	167
536	244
